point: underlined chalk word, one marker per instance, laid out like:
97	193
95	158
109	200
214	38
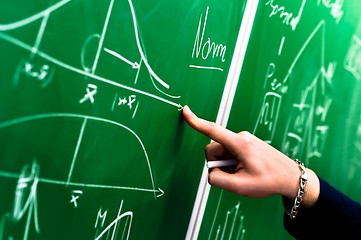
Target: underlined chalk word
207	49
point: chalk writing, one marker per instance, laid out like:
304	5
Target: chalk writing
281	46
124	220
75	196
25	202
129	102
207	49
91	90
287	17
268	116
41	73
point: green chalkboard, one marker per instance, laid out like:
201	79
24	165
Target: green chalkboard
299	90
93	145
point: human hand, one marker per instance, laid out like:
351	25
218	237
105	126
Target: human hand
261	170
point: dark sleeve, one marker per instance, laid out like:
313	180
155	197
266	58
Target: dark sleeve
334	216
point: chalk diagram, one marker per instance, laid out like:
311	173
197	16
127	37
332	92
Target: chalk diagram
308	117
307	126
228	224
30	179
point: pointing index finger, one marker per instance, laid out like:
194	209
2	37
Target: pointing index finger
210	129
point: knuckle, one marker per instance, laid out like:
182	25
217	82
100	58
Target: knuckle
245	138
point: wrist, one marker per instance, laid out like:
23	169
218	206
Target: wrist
301	190
312	190
291	181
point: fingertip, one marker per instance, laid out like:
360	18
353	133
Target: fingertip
188	115
187	111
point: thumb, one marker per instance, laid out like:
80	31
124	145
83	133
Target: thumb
210	129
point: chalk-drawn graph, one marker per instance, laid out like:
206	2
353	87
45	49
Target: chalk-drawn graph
87	71
228	224
30	178
85	120
41	68
306	129
26	209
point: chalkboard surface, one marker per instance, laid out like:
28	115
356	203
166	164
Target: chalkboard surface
93	145
299	90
